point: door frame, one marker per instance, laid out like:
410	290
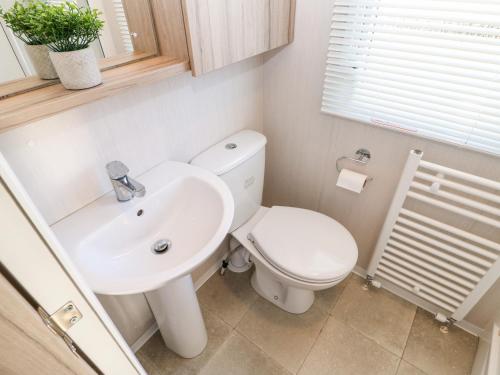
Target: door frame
32	254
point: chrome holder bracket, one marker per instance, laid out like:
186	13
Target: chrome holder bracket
363	156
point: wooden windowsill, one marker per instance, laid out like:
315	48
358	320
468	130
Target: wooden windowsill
123	59
34	105
25	84
22	85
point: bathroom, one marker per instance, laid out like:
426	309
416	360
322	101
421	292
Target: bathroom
55	147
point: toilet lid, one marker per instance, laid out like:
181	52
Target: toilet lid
305	244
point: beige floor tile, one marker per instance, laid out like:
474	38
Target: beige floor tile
158	360
326	299
437	353
342	350
378	314
285	337
238	356
229	296
406	369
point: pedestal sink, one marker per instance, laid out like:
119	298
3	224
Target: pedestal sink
151	244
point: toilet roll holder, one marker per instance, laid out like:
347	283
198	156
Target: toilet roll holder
363	156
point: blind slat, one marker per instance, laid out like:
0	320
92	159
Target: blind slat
341	22
454	106
467	100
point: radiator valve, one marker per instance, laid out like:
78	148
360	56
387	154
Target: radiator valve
370	281
447	322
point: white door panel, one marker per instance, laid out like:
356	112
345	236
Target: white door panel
32	254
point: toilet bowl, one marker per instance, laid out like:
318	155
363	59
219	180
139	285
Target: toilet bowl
295	251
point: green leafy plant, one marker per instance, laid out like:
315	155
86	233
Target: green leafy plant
68	27
22	19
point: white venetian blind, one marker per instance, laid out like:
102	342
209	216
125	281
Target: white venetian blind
121	20
429	67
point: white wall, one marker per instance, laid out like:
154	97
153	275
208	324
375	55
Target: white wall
60	160
10	68
487	360
304	144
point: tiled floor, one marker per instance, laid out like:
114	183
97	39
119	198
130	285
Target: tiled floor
347	331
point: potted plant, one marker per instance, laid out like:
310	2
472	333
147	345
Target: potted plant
22	20
68	31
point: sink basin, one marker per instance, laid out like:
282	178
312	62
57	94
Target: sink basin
112	243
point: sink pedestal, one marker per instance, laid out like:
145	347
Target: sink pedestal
178	314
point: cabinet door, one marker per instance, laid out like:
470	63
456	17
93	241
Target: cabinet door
222	32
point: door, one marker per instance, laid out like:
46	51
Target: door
26	345
31	254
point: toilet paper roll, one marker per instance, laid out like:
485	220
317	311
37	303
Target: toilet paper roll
351	180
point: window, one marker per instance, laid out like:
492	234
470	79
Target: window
427	67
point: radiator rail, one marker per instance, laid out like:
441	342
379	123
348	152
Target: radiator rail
449	267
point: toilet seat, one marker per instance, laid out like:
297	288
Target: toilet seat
304	244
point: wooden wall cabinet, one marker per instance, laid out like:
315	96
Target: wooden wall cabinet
222	32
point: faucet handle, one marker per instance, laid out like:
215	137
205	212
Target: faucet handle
116	170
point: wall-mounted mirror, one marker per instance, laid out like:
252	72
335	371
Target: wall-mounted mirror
128	35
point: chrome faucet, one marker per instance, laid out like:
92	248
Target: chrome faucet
125	187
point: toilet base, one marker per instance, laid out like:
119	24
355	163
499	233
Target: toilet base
289	294
288	298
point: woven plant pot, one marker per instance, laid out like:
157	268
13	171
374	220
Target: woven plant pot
77	69
39	56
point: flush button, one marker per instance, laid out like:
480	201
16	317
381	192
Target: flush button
231	146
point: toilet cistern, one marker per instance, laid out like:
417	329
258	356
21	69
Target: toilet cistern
125	187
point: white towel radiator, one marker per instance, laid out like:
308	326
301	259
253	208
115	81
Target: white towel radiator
446	267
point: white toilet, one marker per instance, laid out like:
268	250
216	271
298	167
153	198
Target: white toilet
295	251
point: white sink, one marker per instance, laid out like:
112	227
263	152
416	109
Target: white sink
111	244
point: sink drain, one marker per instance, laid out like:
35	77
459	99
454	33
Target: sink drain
161	246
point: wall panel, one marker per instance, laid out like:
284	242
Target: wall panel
304	144
61	159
